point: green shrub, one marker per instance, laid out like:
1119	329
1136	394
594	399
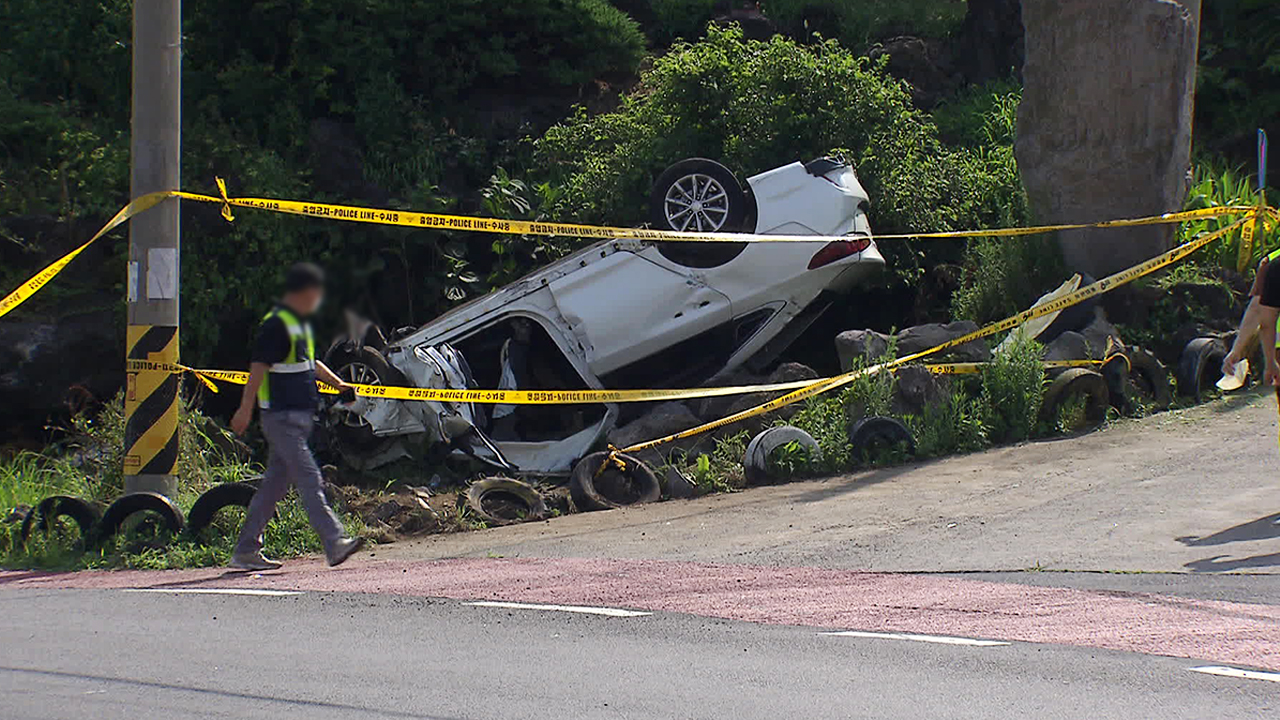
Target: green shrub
1012	391
721	470
824	418
956	425
756	105
1002	276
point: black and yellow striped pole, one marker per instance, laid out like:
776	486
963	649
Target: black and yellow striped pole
151	393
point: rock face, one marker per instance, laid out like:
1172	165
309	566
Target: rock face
1104	129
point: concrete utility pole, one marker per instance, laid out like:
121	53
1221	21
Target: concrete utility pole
151	393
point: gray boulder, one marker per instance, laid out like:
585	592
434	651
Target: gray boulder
667	418
1104	129
916	390
1069	345
854	344
924	337
1096	334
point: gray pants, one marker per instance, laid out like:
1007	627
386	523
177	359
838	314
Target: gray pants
289	464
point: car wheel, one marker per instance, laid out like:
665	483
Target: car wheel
152	515
699	195
755	461
1077	400
232	494
45	515
597	484
503	501
352	436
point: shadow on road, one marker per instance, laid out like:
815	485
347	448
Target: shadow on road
1225	563
1264	528
834	486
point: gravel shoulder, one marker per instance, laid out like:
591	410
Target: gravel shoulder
1183	491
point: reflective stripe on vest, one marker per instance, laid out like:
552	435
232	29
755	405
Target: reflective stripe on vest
302	352
1270	259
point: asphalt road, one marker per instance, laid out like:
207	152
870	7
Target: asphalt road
116	654
1109	567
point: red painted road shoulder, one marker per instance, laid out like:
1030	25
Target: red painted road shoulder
1224	632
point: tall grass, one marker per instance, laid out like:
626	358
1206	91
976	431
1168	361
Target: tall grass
1214	185
88	465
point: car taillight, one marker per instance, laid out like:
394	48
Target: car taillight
838	250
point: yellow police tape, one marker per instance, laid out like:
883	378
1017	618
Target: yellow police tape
973	368
556	397
495	397
32	286
1104	285
404	218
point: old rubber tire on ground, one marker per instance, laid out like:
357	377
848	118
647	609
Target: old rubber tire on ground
1081	383
1199	365
140	502
232	494
755	461
1148	380
699	195
1115	370
82	513
874	433
597	486
503	501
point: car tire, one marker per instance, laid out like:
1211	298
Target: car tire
352	438
755	461
596	487
1078	382
139	502
874	432
699	175
84	514
482	493
1148	381
232	494
1197	368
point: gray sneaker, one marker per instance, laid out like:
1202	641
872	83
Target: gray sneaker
343	549
256	561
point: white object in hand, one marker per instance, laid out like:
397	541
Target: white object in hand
1235	380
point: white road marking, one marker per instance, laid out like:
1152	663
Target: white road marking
1236	673
940	639
218	591
586	610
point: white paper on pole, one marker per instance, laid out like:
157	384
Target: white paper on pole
162	273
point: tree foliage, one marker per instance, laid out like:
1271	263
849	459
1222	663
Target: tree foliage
756	105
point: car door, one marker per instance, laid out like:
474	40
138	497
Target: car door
629	308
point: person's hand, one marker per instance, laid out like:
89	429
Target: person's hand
240	421
1272	376
1230	361
346	392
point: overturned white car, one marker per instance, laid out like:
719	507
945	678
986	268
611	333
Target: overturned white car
617	314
